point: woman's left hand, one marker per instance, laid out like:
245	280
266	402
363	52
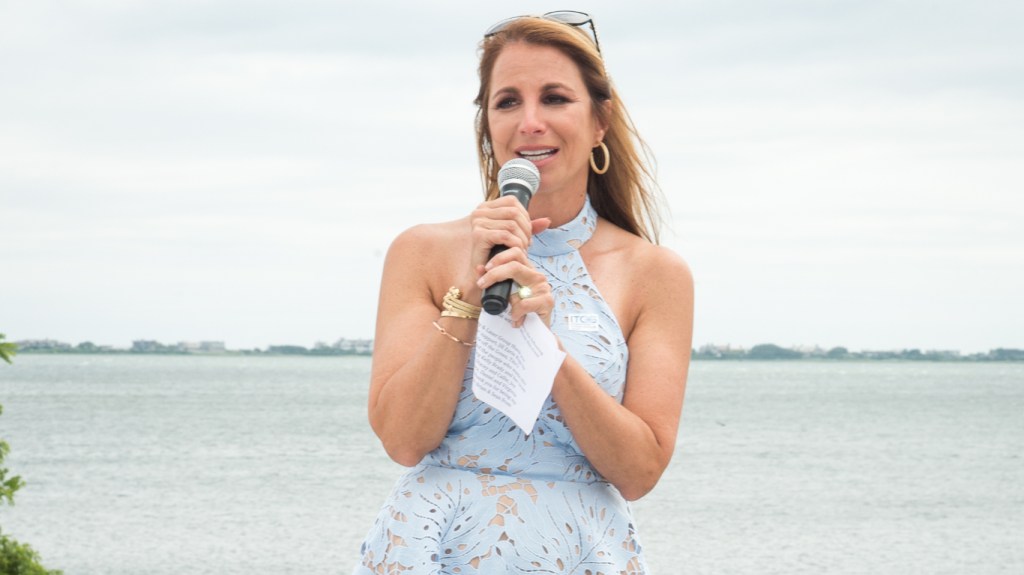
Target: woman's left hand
513	264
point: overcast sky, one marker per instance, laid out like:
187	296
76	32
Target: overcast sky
837	173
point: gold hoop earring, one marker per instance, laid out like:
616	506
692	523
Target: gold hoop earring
607	159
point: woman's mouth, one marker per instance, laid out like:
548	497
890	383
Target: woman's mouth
537	155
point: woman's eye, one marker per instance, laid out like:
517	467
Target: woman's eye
505	103
555	99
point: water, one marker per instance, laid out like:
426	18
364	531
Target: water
251	465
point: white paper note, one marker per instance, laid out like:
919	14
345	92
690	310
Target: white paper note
515	367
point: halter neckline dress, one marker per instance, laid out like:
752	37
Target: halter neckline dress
492	500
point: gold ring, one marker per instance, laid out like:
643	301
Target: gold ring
524	292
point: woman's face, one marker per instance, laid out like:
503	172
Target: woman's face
539	109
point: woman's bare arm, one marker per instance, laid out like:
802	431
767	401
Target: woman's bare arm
631	444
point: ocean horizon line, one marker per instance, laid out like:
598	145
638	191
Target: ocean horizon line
364	347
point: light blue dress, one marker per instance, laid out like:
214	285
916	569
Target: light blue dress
491	500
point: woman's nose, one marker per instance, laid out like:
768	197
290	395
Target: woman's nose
532	121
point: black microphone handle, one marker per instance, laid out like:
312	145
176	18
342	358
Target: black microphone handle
495	298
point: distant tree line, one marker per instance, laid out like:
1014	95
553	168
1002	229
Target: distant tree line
770	351
347	347
341	347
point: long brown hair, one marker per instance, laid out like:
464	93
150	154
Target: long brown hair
626	194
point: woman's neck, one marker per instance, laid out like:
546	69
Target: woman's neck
560	208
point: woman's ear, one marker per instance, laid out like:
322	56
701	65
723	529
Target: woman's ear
602	125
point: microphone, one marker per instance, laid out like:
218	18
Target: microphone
519	178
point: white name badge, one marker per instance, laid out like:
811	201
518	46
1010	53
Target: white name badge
583	322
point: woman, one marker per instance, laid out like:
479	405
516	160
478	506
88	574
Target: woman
482	496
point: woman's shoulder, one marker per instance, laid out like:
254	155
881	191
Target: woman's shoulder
427	255
425	239
637	277
642	257
665	262
428	250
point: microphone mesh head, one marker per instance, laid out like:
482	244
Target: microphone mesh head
520	169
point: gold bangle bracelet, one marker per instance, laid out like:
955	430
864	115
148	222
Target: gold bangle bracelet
452	337
455	307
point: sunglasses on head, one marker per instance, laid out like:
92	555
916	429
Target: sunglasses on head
568	17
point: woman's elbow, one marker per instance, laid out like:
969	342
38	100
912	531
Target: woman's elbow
632	492
640	483
403	446
406	451
404	456
403	451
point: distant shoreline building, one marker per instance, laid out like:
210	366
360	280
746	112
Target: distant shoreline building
153	346
359	346
42	345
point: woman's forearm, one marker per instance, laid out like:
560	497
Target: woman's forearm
417	401
620	445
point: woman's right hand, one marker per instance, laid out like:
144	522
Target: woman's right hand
499	222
